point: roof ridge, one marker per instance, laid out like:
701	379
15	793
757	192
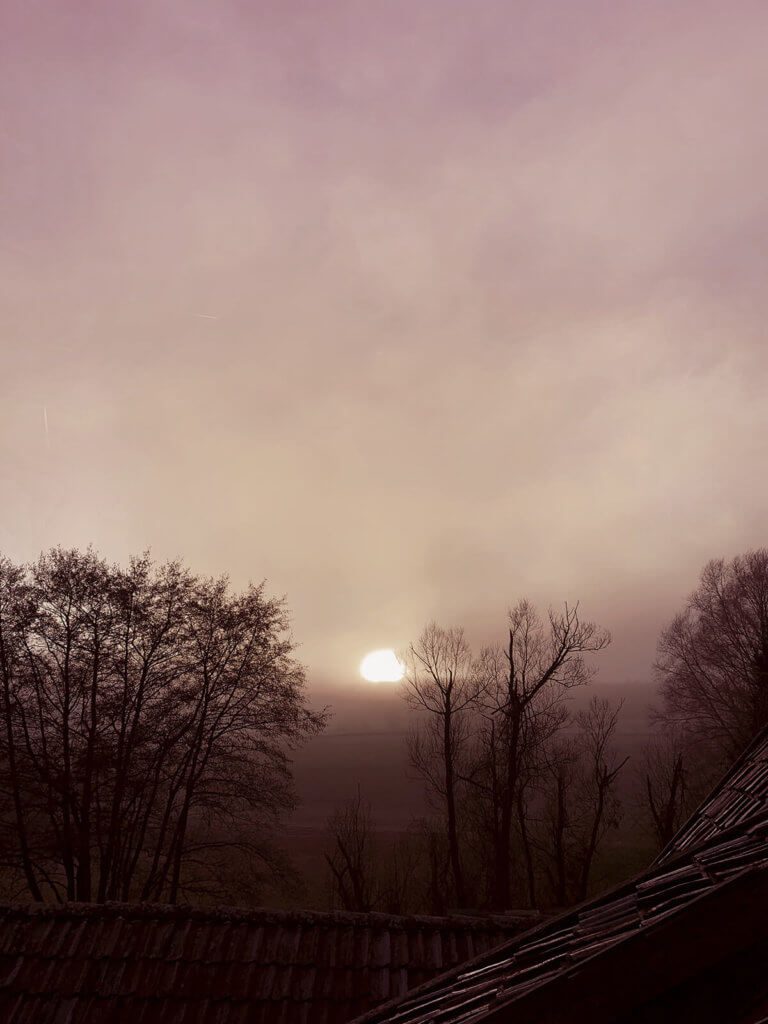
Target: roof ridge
262	915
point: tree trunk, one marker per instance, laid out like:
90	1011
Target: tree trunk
530	870
84	837
450	798
21	827
503	853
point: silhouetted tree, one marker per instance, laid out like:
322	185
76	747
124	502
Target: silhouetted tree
580	804
442	680
402	882
146	716
600	768
16	612
524	685
664	787
438	867
496	731
673	778
713	657
352	857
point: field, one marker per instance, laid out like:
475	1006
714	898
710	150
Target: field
364	746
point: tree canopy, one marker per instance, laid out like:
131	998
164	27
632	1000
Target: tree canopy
713	657
146	714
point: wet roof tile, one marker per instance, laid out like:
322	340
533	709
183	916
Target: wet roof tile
178	964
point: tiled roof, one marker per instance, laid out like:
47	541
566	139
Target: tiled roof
135	964
740	795
550	962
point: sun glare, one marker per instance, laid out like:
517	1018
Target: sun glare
382	666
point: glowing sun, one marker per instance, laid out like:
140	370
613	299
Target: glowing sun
382	666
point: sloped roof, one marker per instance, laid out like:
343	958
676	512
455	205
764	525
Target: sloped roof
741	795
659	929
140	963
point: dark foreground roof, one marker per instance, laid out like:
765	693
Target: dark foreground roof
686	940
175	965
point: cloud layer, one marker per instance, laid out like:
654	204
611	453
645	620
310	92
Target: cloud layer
410	308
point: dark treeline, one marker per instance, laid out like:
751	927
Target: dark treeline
522	791
525	794
145	714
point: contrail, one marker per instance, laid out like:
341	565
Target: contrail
45	424
207	316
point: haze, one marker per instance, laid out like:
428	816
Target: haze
411	308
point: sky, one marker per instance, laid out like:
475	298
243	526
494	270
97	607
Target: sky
410	307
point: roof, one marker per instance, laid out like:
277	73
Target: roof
139	963
614	954
740	795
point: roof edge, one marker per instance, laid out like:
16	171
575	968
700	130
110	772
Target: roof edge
262	915
669	850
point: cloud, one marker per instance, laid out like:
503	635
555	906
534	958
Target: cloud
488	298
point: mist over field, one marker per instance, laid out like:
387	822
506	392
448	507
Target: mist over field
364	745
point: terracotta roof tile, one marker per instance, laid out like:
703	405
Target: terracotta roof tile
181	965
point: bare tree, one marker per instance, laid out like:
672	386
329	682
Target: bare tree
436	856
555	846
581	804
601	807
673	778
442	682
401	873
664	785
713	657
147	716
524	686
16	611
352	857
497	730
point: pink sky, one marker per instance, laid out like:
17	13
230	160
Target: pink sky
413	308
